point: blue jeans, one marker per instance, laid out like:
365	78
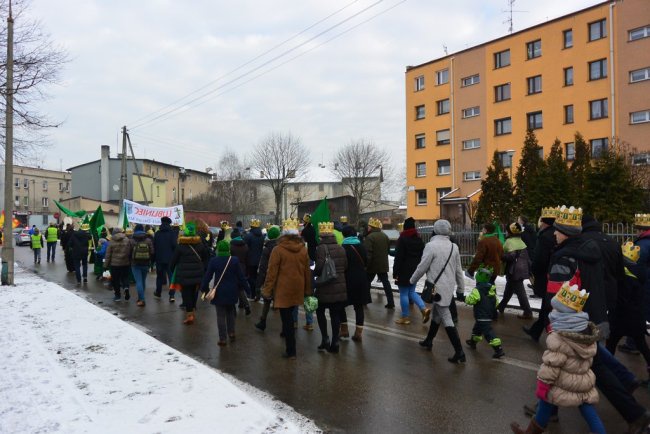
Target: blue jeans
623	374
407	293
588	411
309	316
51	249
140	276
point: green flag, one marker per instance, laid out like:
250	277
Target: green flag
122	219
96	221
66	211
499	232
320	214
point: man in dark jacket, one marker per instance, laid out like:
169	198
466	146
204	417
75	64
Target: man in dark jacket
164	244
66	246
309	235
377	245
254	239
273	233
79	251
528	235
239	249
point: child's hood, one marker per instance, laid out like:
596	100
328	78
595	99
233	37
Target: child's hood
581	343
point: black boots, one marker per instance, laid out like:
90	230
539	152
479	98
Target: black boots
261	326
324	344
498	352
427	343
459	355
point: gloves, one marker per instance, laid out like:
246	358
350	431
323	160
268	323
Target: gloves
203	294
542	390
460	296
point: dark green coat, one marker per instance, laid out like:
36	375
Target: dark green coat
377	246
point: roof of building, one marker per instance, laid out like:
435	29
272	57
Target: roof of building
140	160
314	175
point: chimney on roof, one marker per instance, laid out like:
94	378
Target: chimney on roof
104	172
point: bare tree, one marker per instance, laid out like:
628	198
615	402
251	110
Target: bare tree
361	165
37	64
278	158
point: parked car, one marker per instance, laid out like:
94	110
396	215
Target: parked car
22	237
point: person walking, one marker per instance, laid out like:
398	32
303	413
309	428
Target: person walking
141	255
164	244
356	281
378	246
288	280
528	235
331	295
36	244
254	239
80	241
515	258
229	281
239	249
309	235
408	255
273	233
441	261
66	245
118	262
484	300
51	237
489	252
188	262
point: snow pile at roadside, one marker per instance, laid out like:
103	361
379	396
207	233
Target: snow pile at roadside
69	366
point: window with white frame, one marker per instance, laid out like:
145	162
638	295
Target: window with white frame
502	126
598	69
472	175
26	201
471	112
502	92
25	183
640	33
420	197
17	182
501	59
442	137
567	37
440	192
534	84
44	185
640	117
419	112
420	141
534	49
443	106
419	83
599	147
469	81
444	167
570	151
471	144
640	159
597	30
442	76
420	170
598	109
45	202
639	75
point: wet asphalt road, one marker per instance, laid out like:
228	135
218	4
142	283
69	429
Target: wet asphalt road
387	384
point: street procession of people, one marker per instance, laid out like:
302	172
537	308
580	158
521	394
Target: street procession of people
594	292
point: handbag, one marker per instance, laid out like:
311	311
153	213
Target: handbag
213	292
429	293
328	274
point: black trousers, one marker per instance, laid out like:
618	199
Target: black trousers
639	342
335	317
190	294
515	287
163	276
286	314
388	290
538	326
119	278
484	328
358	313
225	320
80	267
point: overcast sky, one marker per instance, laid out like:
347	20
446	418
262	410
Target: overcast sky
130	59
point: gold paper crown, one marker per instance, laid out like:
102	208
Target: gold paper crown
630	251
549	212
569	217
375	223
571	297
306	218
642	220
290	224
325	227
344	219
225	224
515	229
268	226
85	227
255	223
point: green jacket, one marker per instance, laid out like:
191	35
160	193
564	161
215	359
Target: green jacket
37	241
484	299
377	245
51	234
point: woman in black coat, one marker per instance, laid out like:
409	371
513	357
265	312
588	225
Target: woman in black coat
356	280
407	257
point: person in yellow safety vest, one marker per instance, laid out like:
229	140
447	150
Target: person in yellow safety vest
51	236
36	245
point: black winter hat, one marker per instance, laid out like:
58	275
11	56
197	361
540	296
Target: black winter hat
409	223
165	219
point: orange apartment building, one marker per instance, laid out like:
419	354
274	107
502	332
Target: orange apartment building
588	71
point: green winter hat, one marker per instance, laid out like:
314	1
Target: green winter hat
483	274
223	248
190	229
273	232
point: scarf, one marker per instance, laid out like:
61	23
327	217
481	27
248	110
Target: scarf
353	240
569	321
409	233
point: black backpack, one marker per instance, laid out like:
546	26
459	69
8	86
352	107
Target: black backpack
141	254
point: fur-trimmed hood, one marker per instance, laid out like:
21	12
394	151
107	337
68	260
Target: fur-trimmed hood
189	240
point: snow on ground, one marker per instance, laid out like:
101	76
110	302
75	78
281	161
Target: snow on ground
69	366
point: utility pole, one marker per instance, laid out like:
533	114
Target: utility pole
8	239
137	170
123	183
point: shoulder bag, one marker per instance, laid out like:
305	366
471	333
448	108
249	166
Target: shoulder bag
328	274
429	293
213	292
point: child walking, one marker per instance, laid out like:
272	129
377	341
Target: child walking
484	299
565	378
36	245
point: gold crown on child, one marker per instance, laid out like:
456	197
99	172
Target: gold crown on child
255	223
290	224
572	297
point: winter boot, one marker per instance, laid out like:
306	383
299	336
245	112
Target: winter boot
324	344
357	334
127	295
426	314
403	321
427	343
343	330
498	352
533	428
189	318
261	326
459	355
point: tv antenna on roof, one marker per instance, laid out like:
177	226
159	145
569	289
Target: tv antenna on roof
510	11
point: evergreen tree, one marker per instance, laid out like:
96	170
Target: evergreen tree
580	169
496	201
556	180
529	194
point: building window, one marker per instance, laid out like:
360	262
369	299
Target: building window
597	30
502	92
321	186
440	192
502	126
26	201
570	151
157	191
419	112
598	109
471	112
534	84
640	117
568	76
472	176
25	183
640	159
568	114
468	81
501	59
44	185
598	69
540	152
442	137
419	83
534	120
420	197
296	188
420	170
444	167
471	144
420	141
67	186
443	106
45	202
568	38
442	77
17	182
599	147
642	32
640	75
534	49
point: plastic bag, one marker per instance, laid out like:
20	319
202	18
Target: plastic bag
310	304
